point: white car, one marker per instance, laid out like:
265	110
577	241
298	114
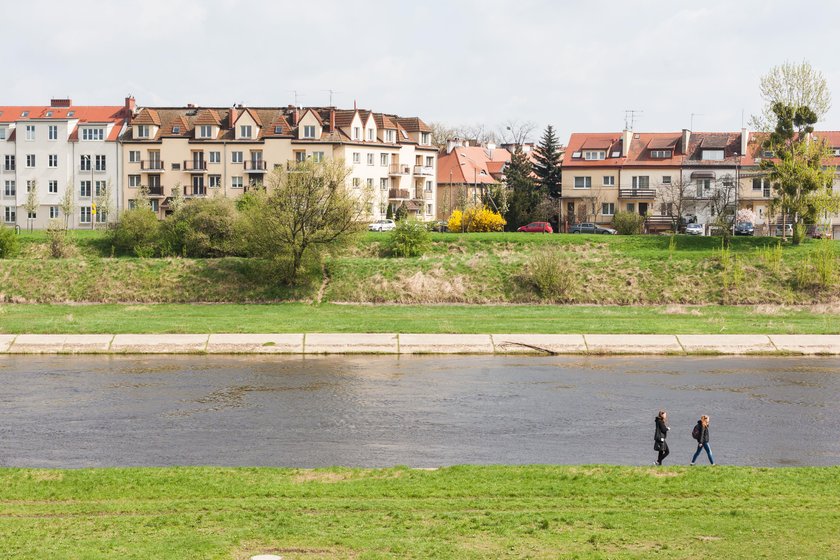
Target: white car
694	229
382	225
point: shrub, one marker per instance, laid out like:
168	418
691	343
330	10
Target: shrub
59	243
628	223
9	243
549	274
825	264
409	239
137	233
476	219
771	254
202	227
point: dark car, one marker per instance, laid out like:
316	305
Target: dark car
818	231
744	228
591	228
537	227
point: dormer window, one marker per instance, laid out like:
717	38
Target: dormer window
93	134
142	131
309	131
176	130
660	154
49	113
24	114
205	131
357	133
426	139
278	130
713	155
594	155
70	113
389	135
371	136
835	151
245	131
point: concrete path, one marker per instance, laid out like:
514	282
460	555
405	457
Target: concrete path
388	343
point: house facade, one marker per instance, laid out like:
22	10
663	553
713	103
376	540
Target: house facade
465	174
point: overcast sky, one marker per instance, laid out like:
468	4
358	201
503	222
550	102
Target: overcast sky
577	65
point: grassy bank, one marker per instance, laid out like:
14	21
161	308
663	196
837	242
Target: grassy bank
301	317
456	512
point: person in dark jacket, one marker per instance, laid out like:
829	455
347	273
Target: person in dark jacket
659	435
703	440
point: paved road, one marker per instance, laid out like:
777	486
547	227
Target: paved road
81	411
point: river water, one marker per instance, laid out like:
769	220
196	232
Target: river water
373	411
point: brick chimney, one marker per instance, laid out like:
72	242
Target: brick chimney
744	139
332	119
232	116
61	102
626	137
686	137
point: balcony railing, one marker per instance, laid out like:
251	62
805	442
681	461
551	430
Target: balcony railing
424	170
636	193
255	166
195	166
399	194
154	165
193	190
399	169
156	190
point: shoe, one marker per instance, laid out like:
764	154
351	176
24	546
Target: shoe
691	464
656	464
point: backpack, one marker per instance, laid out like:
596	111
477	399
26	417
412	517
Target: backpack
695	433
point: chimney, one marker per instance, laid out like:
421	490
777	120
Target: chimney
296	116
744	139
61	102
686	138
490	147
232	116
626	136
332	119
130	105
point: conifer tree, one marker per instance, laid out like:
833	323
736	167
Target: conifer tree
547	167
523	193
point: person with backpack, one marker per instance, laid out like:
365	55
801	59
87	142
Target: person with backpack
701	434
659	435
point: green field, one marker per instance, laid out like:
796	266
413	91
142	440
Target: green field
455	512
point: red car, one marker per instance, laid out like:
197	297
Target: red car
537	227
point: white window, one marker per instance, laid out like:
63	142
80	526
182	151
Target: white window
10	214
142	131
357	133
369	183
430	161
389	135
52	132
134	181
309	131
641	182
9	163
236	182
607	208
428	186
134	156
594	154
84	214
370	159
426	138
357	182
2	132
52	187
93	134
384	160
84	163
609	181
99	188
215	181
100	163
236	157
713	155
84	189
317	157
30	160
30	185
10	189
33	215
102	216
52	160
53	212
357	157
666	179
245	131
383	184
660	154
703	187
215	157
206	131
583	182
428	209
176	130
370	135
30	132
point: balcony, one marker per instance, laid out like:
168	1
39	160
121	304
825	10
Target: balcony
151	166
195	166
255	166
194	190
156	190
399	194
399	169
424	170
636	193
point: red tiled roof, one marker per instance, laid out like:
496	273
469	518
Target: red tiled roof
578	139
207	116
147	116
413	124
471	165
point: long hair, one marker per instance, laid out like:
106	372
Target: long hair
662	415
705	421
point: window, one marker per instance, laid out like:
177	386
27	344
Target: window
300	156
215	157
594	154
660	154
370	135
428	186
703	187
100	163
769	153
24	114
53	212
641	182
370	159
52	131
713	155
758	184
93	134
30	132
132	204
134	181
155	204
357	133
2	132
10	189
631	206
30	160
357	157
583	182
357	182
389	135
309	131
666	208
176	166
142	131
278	130
30	185
52	160
383	160
134	156
52	188
102	216
369	183
609	181
9	163
11	214
426	138
245	131
383	184
99	188
317	157
84	189
430	161
215	181
428	208
607	208
84	163
236	182
666	179
236	157
84	214
205	131
176	130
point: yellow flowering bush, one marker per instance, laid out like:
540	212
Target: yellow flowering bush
477	219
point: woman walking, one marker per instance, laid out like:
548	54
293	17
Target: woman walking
659	436
702	431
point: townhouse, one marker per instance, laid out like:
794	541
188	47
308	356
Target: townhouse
214	151
465	174
48	149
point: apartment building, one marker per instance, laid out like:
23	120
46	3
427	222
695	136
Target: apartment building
51	148
214	151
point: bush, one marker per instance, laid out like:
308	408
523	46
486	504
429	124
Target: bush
59	243
628	223
476	219
549	274
9	243
137	233
409	239
202	227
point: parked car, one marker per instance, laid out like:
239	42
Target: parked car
382	225
591	228
788	230
816	231
537	227
695	229
439	226
744	228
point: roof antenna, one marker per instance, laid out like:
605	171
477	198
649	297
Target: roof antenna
630	118
332	92
692	120
296	95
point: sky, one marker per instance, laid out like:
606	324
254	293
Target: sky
576	65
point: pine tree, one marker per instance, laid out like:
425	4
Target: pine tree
547	168
524	194
390	212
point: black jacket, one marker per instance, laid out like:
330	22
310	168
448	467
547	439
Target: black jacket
661	430
704	433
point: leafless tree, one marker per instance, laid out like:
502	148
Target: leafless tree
678	198
516	132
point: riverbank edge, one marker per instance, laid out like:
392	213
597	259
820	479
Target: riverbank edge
419	344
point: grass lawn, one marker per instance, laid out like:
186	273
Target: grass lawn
455	512
301	317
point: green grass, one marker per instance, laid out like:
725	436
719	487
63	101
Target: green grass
455	512
300	317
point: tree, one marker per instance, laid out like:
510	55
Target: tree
547	167
793	84
721	206
401	213
523	194
104	203
678	197
31	204
441	133
801	181
177	200
67	204
304	209
512	131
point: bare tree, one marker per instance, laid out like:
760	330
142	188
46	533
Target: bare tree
516	132
31	204
104	202
721	205
794	84
440	134
67	204
678	198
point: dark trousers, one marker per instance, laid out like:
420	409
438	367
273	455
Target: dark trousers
663	452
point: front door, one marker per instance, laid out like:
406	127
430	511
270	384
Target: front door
643	208
198	185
